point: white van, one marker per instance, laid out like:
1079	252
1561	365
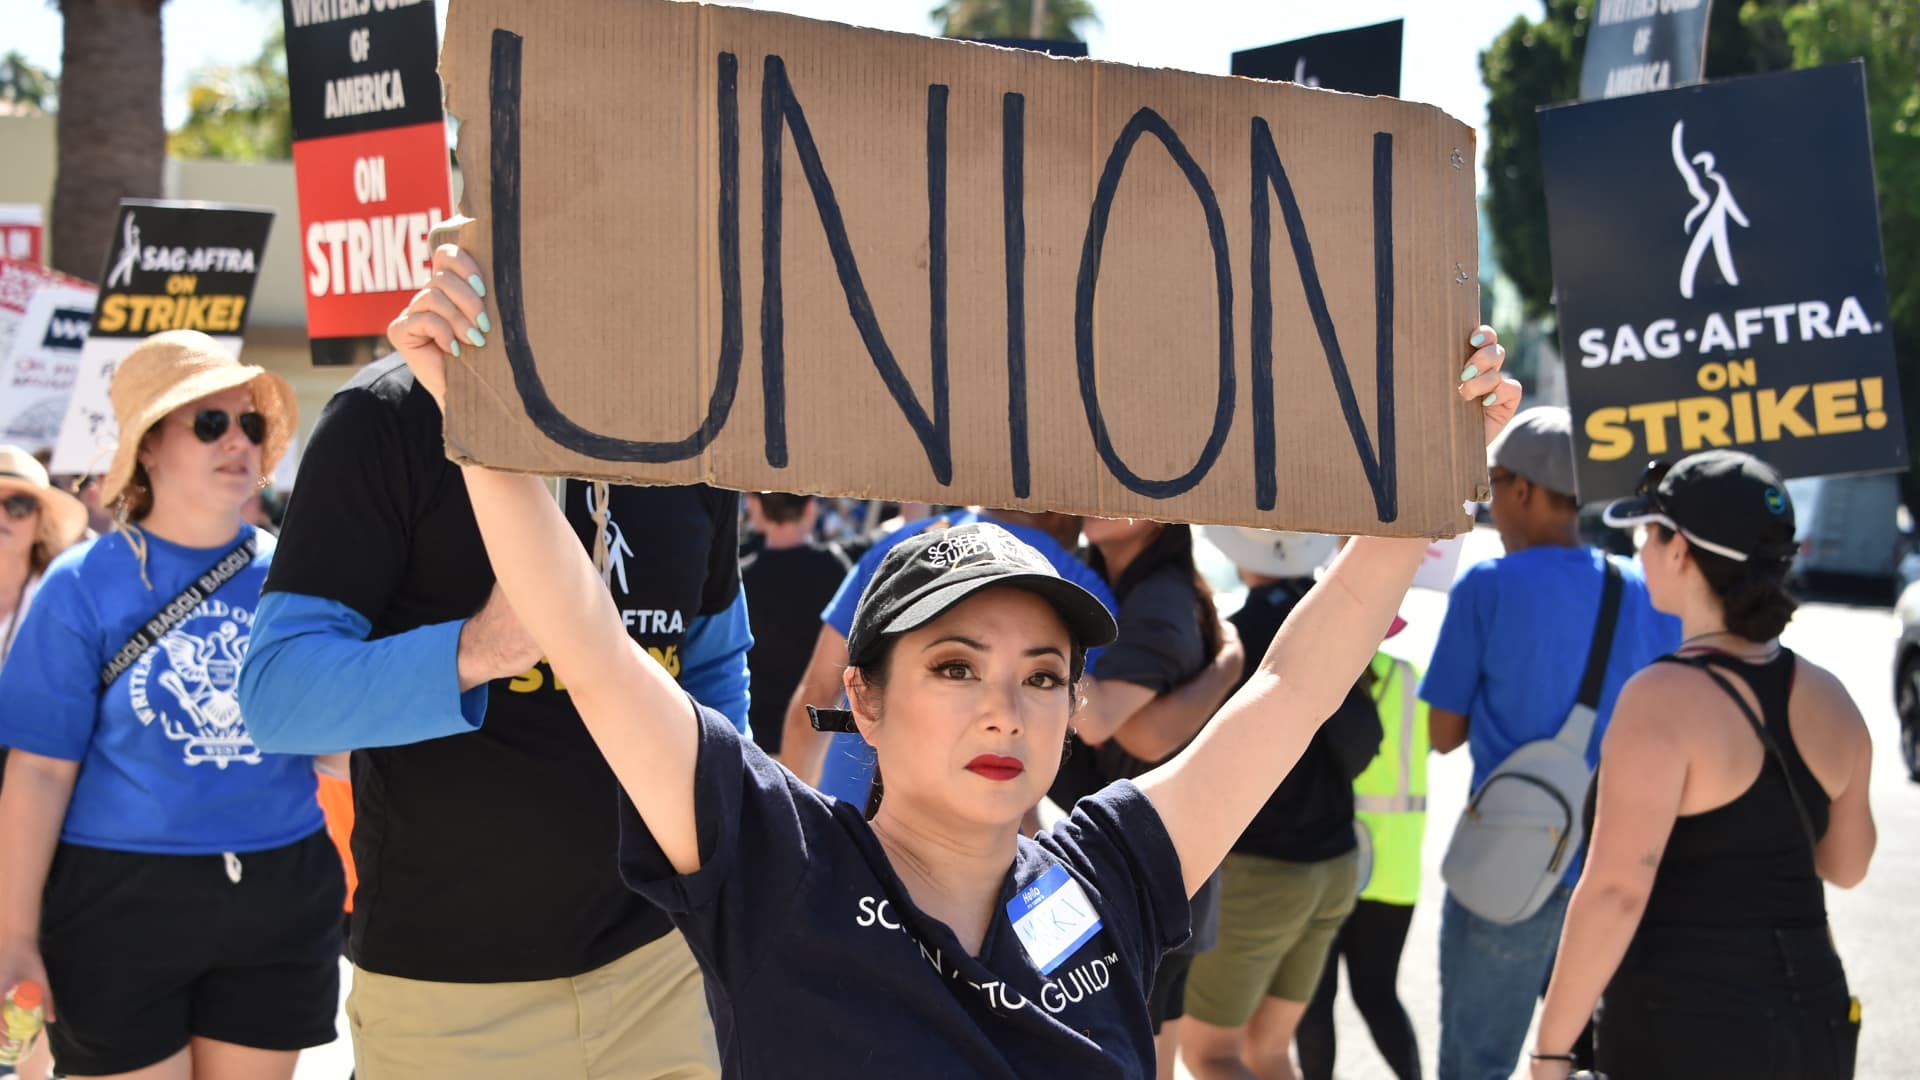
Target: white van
1847	526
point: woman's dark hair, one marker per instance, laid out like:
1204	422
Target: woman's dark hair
1753	594
1173	545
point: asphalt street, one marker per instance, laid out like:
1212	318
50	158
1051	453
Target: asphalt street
1874	924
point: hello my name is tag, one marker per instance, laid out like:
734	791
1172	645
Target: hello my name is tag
1052	917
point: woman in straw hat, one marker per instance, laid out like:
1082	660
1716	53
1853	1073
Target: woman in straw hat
191	899
935	939
37	522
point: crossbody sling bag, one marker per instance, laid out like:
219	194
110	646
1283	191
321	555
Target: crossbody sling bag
1513	843
177	609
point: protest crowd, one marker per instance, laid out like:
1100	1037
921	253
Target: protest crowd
584	778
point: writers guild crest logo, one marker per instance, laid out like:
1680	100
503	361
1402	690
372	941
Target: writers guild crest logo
1710	214
189	684
123	267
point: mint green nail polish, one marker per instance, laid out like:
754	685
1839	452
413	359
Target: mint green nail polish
1491	398
486	325
456	350
1476	340
480	287
1472	370
474	336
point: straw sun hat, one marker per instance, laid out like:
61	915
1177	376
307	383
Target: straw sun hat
176	368
63	518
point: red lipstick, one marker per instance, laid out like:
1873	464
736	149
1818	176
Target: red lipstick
995	767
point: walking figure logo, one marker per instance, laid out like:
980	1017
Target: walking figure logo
1711	212
122	273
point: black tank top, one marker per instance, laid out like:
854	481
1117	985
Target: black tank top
1747	864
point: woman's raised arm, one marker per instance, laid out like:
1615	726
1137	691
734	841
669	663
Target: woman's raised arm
1211	790
639	717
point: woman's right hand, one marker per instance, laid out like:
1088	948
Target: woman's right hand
442	315
20	962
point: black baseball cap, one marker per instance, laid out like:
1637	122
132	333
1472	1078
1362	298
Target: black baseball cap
928	573
1723	501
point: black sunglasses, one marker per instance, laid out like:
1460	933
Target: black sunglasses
20	507
1650	477
210	424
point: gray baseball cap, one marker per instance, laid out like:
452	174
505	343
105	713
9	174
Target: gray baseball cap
1537	444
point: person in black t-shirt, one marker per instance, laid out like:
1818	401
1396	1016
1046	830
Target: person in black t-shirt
1293	875
956	945
1169	631
788	580
491	934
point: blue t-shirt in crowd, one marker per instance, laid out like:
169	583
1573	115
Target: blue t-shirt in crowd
1514	644
800	923
166	764
848	769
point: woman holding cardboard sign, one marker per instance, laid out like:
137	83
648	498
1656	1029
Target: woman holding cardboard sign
974	951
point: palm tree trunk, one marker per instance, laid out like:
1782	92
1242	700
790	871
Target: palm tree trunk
112	139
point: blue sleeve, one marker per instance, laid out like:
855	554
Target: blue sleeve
313	684
1453	675
51	681
713	661
839	611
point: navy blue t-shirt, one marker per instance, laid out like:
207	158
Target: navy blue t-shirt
818	963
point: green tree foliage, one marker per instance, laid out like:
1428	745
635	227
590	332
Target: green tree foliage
1060	20
25	87
242	112
1537	62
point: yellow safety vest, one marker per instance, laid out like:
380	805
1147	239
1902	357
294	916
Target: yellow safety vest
1390	798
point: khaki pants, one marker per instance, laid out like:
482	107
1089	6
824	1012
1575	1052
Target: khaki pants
642	1017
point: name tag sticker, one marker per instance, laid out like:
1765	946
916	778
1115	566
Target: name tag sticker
1052	917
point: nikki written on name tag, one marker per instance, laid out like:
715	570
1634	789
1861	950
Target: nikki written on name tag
1052	917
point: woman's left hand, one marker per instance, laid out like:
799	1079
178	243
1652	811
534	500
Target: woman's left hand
1483	380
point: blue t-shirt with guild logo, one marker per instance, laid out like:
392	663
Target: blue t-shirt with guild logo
166	764
800	923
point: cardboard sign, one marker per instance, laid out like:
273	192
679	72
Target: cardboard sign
1634	46
1364	60
173	266
370	160
43	324
21	234
1716	251
769	253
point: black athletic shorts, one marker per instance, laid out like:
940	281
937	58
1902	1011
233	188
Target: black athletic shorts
144	952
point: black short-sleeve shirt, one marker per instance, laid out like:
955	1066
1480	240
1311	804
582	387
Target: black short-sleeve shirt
486	856
1309	817
818	963
787	588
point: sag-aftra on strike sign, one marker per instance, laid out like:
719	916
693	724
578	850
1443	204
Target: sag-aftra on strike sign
771	253
1716	254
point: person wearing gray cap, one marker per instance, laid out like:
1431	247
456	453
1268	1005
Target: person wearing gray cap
1506	672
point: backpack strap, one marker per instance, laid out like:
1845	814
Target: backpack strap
1578	730
1706	665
